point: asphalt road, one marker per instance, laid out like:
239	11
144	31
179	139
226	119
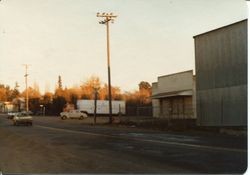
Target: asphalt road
53	145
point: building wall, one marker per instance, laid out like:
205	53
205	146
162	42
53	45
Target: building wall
155	102
8	108
156	107
179	103
175	82
221	76
154	88
194	98
177	107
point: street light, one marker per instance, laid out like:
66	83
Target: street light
107	18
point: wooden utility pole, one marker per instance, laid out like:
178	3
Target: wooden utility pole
26	84
107	18
95	103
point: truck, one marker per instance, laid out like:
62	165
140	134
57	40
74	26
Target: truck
102	106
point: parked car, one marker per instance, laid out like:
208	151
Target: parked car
11	115
73	114
25	112
22	118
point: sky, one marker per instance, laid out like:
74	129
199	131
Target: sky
149	38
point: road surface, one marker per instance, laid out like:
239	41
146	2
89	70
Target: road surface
53	145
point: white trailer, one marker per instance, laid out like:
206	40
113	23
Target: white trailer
102	106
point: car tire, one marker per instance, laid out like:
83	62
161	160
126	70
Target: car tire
64	117
81	118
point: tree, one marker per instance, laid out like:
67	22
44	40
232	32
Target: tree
73	99
144	92
8	94
2	93
34	97
33	93
88	87
59	103
115	92
143	85
59	82
60	98
15	92
47	98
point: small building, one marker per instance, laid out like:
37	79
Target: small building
1	106
221	76
173	96
19	104
7	106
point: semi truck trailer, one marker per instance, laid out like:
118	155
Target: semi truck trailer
102	107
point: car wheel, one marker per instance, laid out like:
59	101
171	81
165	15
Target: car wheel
81	117
64	117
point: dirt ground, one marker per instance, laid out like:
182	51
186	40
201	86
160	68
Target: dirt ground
27	155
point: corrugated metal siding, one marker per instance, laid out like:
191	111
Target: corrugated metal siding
221	76
222	106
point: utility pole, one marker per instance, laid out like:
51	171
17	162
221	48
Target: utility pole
95	102
107	18
26	83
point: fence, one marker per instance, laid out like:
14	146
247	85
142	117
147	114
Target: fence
179	111
139	111
169	112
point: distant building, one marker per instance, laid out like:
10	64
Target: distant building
1	106
173	96
221	76
7	106
17	104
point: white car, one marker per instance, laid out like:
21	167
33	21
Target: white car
22	118
74	114
11	115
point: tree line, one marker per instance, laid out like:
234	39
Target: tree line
55	102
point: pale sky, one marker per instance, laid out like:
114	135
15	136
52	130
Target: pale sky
149	38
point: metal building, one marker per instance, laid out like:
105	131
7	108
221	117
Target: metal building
221	76
173	96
